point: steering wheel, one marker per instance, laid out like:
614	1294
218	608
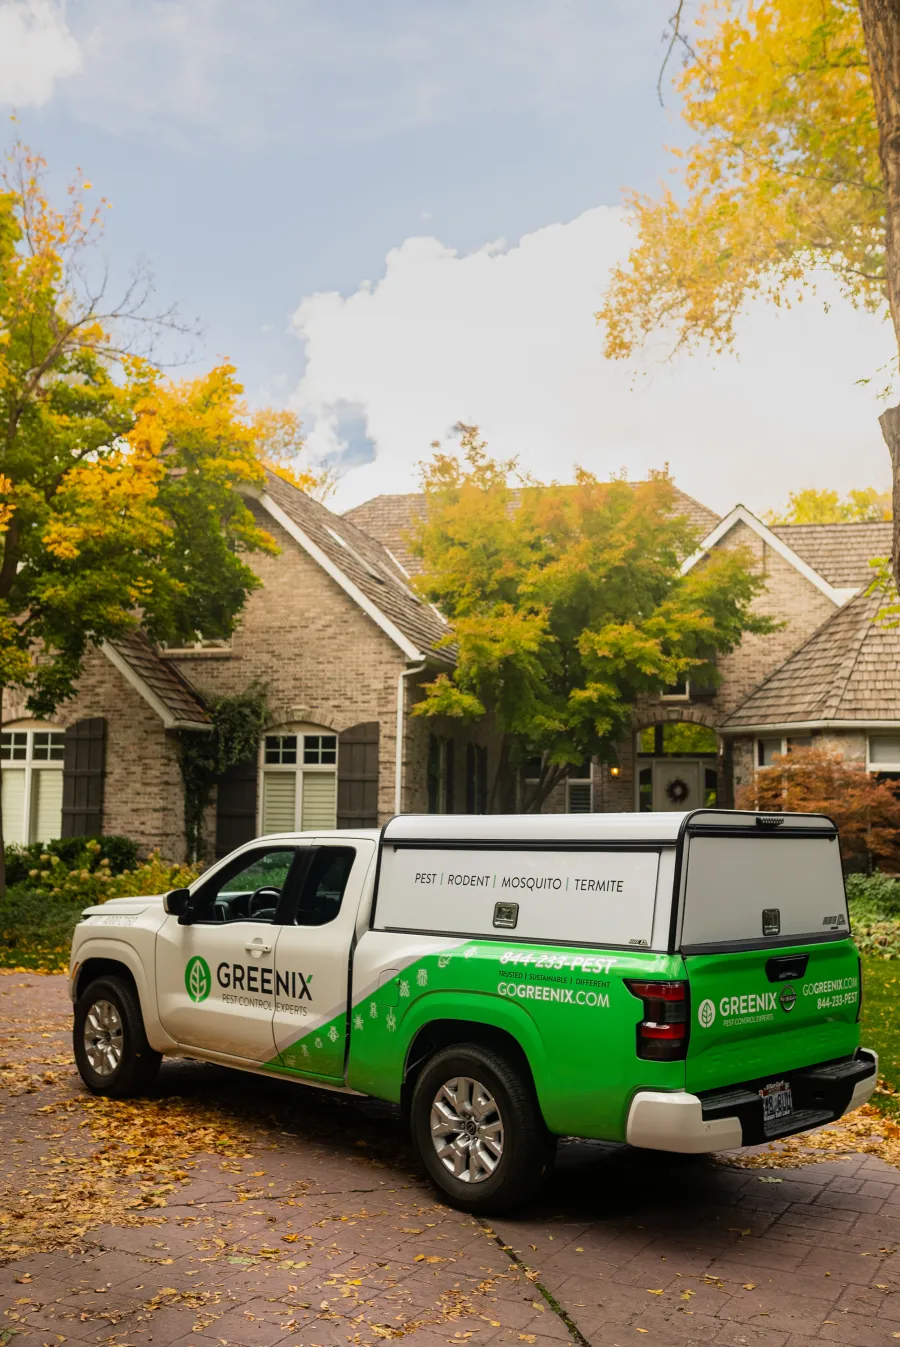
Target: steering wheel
265	899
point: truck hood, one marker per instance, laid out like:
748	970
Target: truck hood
126	906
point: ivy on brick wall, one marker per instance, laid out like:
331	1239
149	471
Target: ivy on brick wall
237	724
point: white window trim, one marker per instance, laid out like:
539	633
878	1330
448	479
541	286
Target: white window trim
299	768
29	766
879	766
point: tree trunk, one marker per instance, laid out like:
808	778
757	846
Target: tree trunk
881	28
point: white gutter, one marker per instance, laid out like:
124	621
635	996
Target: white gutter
398	743
768	726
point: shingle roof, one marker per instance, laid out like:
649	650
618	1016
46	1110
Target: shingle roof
391	518
839	552
366	563
849	669
162	679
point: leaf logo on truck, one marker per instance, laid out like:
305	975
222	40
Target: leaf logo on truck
197	979
706	1013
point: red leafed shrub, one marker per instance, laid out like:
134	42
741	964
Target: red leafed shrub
814	781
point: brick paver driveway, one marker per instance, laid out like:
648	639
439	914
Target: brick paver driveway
315	1227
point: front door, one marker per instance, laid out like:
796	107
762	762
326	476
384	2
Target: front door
677	785
216	977
314	950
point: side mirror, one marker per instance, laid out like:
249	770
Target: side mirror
177	903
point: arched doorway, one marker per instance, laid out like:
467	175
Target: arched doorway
677	767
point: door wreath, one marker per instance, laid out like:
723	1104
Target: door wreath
677	790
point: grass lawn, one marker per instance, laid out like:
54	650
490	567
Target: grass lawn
880	1018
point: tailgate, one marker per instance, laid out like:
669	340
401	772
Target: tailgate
758	1012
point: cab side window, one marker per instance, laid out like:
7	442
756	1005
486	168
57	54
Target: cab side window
323	888
249	889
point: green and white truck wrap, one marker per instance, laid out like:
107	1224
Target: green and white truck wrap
683	982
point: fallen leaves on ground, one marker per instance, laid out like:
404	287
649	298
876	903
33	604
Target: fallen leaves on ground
115	1162
867	1130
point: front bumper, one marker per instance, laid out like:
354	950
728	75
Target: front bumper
722	1120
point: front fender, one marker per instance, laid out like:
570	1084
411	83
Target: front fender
140	965
378	1060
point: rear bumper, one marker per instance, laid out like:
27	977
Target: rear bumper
722	1120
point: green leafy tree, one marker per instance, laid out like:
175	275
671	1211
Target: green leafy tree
119	490
791	169
813	506
566	604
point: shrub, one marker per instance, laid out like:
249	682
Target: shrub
874	897
812	781
37	917
36	931
120	853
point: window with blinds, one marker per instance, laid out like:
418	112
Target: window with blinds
31	775
299	783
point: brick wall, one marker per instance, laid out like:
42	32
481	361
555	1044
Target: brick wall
142	796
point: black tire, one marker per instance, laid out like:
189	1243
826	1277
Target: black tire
137	1063
527	1146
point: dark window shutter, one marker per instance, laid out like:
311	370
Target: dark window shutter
84	768
358	776
471	780
236	807
449	776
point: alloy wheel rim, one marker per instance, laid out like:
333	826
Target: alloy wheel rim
103	1038
467	1129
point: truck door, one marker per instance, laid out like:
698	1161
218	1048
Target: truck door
216	977
312	971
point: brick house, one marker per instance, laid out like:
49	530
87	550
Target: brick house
829	675
342	646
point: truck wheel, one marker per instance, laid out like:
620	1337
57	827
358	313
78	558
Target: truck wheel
478	1129
111	1048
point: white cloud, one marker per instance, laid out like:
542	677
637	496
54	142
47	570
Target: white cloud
506	338
36	50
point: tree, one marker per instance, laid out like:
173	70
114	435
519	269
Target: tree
119	489
794	169
812	506
814	781
566	603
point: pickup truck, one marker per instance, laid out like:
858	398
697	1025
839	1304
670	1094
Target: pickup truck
683	982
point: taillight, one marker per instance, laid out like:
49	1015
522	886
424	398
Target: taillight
860	985
662	1034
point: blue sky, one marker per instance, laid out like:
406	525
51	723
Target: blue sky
375	209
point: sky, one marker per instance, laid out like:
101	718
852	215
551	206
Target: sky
396	216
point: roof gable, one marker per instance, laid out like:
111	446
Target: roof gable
363	568
839	595
159	683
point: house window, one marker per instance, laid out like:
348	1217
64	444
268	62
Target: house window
476	779
578	789
299	783
767	749
884	753
677	692
441	775
31	771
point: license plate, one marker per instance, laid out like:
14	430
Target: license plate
776	1100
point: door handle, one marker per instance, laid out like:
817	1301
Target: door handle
258	948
